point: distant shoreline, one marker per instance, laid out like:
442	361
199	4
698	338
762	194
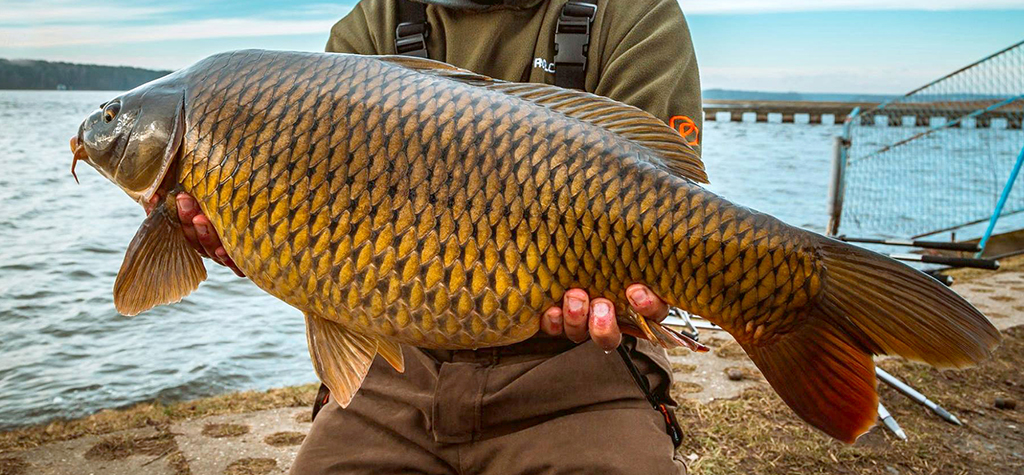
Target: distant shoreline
39	75
60	76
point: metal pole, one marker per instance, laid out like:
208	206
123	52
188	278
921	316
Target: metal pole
837	189
913	394
890	422
1002	202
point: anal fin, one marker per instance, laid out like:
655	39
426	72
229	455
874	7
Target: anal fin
159	266
341	357
392	353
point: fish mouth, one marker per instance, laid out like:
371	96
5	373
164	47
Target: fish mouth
78	149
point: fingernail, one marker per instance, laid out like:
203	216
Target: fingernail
601	310
201	230
575	305
640	297
185	204
555	318
221	253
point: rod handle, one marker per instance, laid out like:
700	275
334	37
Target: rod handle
988	264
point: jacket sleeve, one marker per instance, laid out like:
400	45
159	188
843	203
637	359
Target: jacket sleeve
650	63
353	34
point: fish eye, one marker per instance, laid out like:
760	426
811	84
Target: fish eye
110	111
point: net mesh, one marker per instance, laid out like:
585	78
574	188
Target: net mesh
938	158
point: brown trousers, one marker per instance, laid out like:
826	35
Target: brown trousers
543	406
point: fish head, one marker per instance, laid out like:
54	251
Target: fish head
134	138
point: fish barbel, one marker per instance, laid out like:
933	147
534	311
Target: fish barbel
399	200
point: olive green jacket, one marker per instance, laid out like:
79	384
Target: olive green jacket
640	50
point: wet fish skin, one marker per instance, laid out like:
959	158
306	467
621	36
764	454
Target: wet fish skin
442	217
402	201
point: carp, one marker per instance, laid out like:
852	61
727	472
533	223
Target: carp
398	200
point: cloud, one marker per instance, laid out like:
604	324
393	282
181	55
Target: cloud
52	36
62	23
761	6
42	12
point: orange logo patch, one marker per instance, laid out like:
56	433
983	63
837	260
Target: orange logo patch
686	128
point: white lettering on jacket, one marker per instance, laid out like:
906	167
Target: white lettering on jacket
544	65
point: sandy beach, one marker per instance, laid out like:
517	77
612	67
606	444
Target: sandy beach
732	419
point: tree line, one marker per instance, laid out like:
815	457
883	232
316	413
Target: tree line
32	74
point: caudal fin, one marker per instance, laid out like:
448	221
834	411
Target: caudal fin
869	304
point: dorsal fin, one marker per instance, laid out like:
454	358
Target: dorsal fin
634	124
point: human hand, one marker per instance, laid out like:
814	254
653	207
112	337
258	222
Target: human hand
200	234
579	314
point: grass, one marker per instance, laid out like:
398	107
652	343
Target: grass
250	466
218	431
12	466
156	414
285	439
123	446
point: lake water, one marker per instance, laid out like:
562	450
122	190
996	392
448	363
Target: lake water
65	352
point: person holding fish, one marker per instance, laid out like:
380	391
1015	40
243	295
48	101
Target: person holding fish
639	54
473	231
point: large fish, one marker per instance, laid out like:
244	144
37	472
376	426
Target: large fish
401	200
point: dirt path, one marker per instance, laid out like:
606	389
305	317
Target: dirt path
733	421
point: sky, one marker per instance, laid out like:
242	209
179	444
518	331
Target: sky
853	46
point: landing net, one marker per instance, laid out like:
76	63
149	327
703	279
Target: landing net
938	158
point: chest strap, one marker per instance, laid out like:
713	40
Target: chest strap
572	42
413	29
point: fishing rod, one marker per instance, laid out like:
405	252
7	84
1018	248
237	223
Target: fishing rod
943	245
977	263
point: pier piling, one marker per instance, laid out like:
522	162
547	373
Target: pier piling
907	115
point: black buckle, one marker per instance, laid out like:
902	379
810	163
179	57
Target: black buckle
411	39
671	425
572	33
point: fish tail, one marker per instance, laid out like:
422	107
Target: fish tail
870	304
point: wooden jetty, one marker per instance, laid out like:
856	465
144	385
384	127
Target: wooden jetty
894	115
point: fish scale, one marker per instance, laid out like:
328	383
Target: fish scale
489	241
400	200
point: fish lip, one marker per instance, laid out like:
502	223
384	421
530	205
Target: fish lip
78	152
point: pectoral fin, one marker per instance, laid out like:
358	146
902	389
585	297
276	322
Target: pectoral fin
341	357
159	266
392	353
